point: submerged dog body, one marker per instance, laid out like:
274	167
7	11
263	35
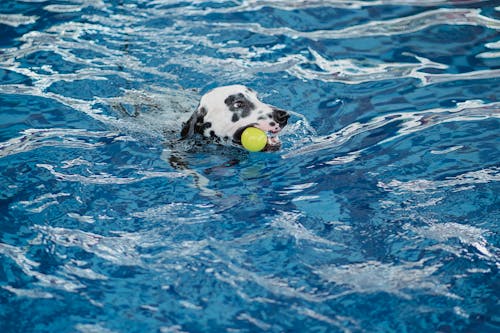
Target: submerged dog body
225	112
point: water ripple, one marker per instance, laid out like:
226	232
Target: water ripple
175	211
42	202
56	137
256	5
372	277
103	178
289	224
31	268
16	20
398	26
120	250
408	123
350	71
468	236
460	182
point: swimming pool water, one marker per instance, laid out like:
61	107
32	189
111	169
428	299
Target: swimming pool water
380	213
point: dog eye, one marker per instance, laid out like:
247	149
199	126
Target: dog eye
238	104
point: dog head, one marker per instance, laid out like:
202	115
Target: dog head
225	112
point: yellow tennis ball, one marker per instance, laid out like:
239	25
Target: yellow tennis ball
253	139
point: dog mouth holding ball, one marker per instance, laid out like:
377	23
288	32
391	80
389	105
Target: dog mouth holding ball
234	115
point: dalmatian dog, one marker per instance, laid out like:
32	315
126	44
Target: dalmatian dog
225	112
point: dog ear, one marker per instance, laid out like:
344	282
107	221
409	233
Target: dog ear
194	124
188	126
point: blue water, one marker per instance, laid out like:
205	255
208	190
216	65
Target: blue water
380	213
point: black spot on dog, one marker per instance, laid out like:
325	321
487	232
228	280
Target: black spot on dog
281	116
240	105
235	118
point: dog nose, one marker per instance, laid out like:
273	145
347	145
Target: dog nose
280	116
